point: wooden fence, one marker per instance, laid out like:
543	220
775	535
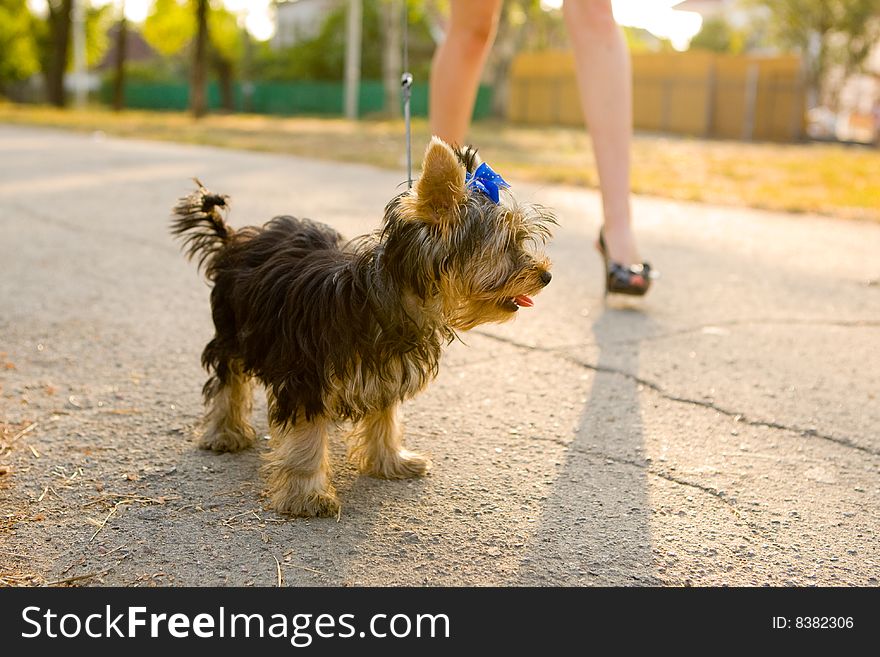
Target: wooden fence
693	93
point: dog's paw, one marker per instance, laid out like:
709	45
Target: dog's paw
304	496
311	505
227	440
399	465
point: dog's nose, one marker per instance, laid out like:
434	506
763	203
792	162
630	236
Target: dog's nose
546	276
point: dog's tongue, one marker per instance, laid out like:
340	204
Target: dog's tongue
523	300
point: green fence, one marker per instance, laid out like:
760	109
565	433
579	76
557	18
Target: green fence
284	98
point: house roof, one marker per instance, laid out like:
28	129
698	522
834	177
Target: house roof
136	48
697	5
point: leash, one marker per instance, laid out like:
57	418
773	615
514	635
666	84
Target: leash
406	81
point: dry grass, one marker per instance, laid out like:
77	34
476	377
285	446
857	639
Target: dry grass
10	434
14	569
824	178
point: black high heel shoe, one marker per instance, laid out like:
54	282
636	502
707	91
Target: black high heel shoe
634	280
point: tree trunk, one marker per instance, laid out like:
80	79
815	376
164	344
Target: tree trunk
508	42
60	12
119	79
197	97
391	55
245	72
225	78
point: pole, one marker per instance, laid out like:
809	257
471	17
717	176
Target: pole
709	107
354	29
406	81
751	101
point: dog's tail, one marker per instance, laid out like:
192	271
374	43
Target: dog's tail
200	226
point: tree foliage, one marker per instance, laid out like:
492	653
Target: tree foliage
98	23
171	30
641	41
717	35
322	57
51	41
226	35
832	34
18	47
169	27
522	25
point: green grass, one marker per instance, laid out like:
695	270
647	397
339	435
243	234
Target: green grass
830	179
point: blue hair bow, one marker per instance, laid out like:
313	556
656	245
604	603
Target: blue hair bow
487	181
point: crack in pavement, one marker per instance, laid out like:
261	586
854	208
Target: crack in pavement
844	323
778	321
719	495
657	388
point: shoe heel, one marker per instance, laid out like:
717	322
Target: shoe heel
634	280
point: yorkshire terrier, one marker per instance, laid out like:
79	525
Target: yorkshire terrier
342	330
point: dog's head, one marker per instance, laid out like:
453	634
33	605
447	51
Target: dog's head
459	236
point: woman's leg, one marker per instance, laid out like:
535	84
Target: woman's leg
604	78
457	66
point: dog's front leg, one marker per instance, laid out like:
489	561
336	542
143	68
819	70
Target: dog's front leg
297	469
376	447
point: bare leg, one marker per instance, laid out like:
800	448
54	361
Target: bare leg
297	470
228	409
458	64
605	84
377	448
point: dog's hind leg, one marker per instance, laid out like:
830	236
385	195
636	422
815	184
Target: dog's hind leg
229	400
297	469
376	447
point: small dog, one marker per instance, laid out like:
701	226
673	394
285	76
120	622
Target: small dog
346	331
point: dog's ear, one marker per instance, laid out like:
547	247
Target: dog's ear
440	189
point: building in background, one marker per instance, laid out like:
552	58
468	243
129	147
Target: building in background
858	116
137	50
298	20
852	115
706	8
733	12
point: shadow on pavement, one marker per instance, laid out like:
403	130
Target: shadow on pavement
595	528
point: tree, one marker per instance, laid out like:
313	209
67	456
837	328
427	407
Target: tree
322	56
169	27
55	50
833	35
214	35
119	64
197	99
53	40
392	64
18	48
523	25
99	20
716	35
227	49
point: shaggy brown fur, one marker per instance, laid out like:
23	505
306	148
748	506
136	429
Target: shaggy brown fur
342	331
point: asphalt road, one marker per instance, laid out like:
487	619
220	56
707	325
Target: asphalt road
724	430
